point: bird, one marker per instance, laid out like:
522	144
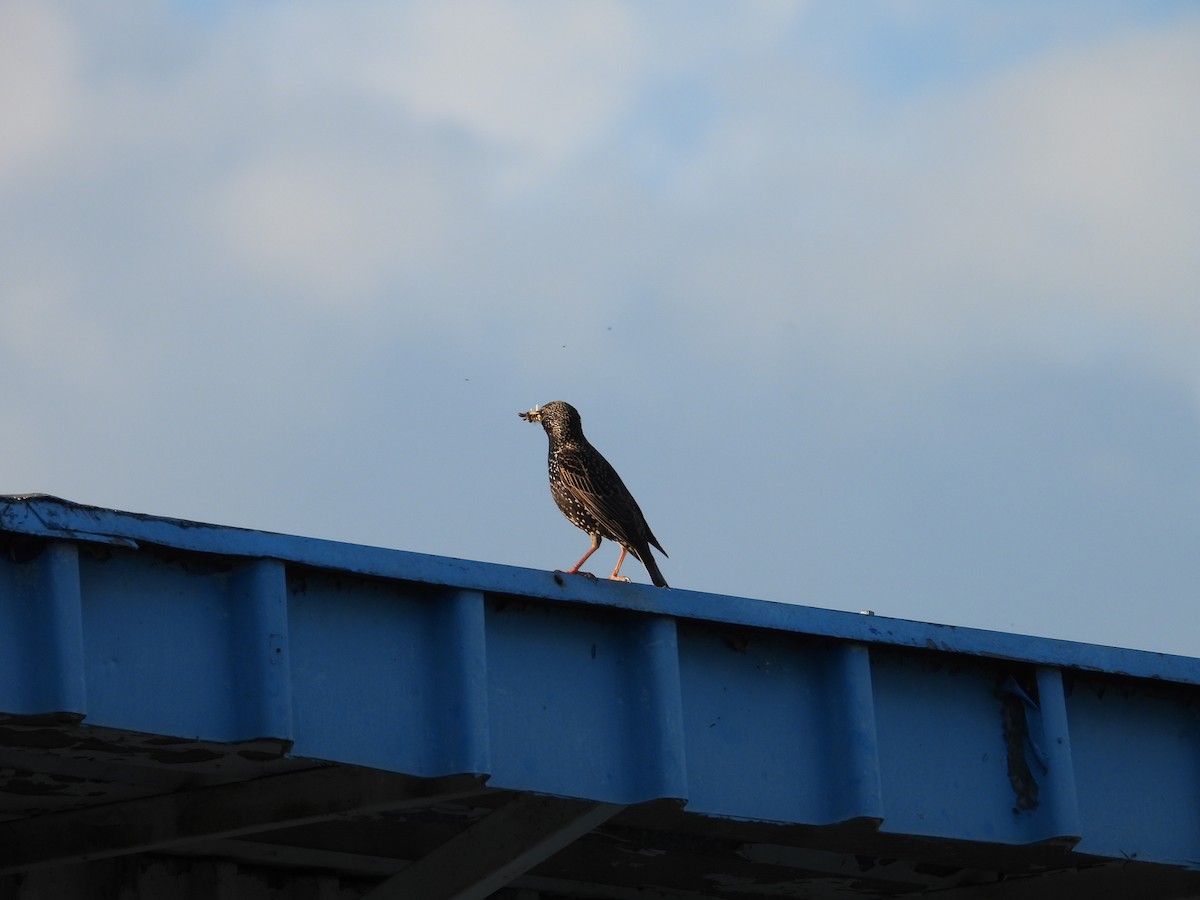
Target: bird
590	493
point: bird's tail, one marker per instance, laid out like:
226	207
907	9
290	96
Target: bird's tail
656	576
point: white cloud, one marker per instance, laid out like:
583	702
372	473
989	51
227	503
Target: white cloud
544	77
336	227
1070	189
541	80
45	331
1056	199
37	65
338	152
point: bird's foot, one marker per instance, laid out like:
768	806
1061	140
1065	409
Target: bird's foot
617	578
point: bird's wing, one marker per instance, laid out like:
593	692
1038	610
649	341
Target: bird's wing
598	487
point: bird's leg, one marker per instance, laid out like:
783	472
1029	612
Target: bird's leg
620	559
574	570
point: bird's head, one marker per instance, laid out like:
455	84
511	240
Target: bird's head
561	420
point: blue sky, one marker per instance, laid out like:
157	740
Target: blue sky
884	305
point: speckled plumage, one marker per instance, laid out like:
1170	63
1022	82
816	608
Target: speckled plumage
590	493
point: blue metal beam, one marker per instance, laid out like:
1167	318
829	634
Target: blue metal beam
605	692
51	517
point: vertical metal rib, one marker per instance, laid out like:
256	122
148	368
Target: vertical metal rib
856	790
1059	801
461	713
263	689
62	682
659	769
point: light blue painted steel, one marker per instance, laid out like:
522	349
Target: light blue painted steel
1136	750
583	704
261	661
608	692
777	728
388	675
161	646
850	702
657	710
41	662
1051	725
40	514
463	695
947	762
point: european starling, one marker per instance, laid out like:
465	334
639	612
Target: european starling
591	494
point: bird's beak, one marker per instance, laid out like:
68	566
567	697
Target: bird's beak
534	415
